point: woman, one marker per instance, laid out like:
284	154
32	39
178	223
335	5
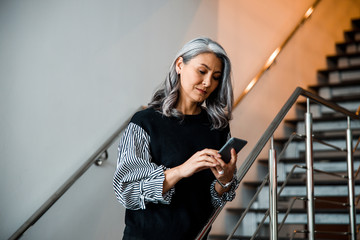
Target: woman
169	175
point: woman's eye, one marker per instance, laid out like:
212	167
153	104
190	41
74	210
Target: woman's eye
217	78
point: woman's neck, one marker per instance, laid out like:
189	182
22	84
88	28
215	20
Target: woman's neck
192	109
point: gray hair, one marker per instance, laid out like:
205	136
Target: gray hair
220	102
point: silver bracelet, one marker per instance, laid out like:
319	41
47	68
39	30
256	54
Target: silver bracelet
226	185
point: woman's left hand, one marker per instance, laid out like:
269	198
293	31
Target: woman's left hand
224	172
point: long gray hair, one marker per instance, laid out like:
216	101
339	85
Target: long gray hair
220	102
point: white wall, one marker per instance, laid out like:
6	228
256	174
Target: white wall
71	72
88	210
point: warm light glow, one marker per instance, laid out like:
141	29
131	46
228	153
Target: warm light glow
272	57
309	12
250	85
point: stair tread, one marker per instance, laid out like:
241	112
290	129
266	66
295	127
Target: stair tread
347	98
351	33
336	100
341	44
341	55
315	159
303	182
355	82
355	23
294	210
237	237
319	136
335	69
318	119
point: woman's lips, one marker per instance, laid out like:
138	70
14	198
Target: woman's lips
202	91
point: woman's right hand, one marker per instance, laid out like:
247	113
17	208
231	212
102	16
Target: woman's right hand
201	160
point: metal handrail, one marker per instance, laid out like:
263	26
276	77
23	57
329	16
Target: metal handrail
249	161
69	182
341	176
260	224
329	145
289	210
244	168
266	179
358	141
278	194
319	232
276	53
296	232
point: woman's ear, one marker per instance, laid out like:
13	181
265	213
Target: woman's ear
179	64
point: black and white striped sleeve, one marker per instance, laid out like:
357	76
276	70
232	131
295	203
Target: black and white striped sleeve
217	200
137	180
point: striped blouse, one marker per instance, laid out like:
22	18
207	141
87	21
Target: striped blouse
151	144
138	180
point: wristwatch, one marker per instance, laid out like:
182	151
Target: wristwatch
226	185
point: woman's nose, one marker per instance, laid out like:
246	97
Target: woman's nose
207	81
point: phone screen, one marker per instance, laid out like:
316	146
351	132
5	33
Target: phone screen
233	142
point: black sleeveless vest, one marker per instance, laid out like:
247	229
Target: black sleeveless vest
172	142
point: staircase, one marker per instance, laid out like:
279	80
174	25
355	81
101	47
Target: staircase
339	83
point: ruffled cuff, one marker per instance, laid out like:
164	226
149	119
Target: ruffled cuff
152	187
228	196
168	195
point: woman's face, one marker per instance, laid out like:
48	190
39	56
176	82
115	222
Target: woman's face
199	77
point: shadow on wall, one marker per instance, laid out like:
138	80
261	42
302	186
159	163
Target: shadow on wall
61	63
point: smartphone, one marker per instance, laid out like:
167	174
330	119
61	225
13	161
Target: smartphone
233	142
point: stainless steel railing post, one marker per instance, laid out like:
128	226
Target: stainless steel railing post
351	187
273	191
309	173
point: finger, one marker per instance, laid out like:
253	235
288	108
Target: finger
221	162
211	152
233	156
217	173
207	160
